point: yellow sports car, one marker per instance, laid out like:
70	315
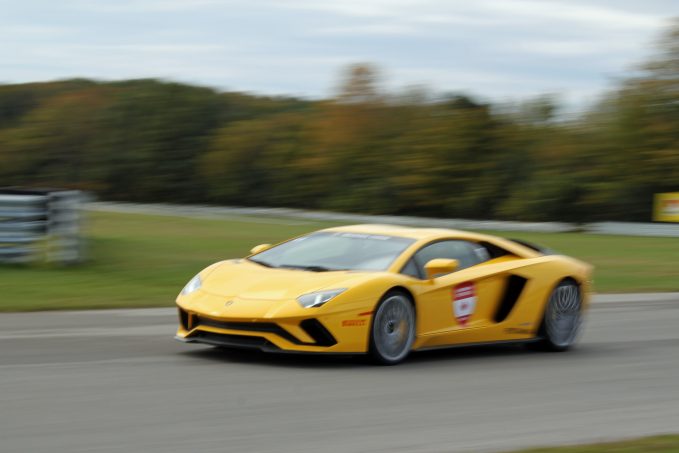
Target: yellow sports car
386	290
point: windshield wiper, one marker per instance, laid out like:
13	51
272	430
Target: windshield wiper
261	263
308	268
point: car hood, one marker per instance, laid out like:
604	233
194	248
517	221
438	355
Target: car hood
248	280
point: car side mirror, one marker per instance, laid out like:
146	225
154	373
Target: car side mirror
259	248
440	266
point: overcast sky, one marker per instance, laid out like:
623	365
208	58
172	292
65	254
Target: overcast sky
501	49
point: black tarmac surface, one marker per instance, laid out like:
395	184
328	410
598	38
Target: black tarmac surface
115	380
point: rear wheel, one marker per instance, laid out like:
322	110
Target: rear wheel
563	317
393	329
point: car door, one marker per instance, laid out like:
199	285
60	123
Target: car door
454	308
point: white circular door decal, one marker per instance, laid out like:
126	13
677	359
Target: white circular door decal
464	302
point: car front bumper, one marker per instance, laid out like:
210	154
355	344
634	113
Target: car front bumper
330	334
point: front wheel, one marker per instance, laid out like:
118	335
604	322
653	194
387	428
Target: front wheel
393	329
563	317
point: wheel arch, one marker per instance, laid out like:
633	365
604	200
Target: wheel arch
569	278
404	290
557	282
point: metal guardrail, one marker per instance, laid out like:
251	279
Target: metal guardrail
634	229
198	211
40	225
45	225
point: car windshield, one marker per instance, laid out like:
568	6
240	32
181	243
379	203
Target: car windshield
331	251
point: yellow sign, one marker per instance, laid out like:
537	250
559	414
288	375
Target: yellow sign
666	207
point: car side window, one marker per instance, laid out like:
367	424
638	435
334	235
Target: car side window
466	253
411	269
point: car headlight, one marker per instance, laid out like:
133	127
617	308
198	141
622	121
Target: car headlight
318	298
192	285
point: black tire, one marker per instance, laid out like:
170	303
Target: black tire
562	318
392	331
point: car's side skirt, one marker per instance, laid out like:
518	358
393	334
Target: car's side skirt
480	343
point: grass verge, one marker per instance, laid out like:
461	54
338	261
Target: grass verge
656	444
144	260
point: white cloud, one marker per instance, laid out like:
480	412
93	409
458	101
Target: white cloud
368	29
34	31
578	47
137	6
481	11
498	48
353	8
161	49
574	12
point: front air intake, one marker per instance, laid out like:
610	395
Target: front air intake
184	319
318	332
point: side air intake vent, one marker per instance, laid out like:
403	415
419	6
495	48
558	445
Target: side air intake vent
515	285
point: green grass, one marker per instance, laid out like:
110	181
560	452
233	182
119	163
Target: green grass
656	444
143	260
138	261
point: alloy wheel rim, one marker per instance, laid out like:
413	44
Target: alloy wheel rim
564	315
394	328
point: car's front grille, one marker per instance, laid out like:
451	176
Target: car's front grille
248	327
236	341
316	330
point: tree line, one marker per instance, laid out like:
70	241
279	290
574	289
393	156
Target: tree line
363	150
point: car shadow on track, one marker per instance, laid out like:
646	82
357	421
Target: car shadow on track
255	357
448	355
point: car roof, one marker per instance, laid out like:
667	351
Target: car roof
419	234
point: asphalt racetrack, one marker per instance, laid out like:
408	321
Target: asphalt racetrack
115	380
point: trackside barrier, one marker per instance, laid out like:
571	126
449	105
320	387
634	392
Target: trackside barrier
634	229
40	225
198	211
